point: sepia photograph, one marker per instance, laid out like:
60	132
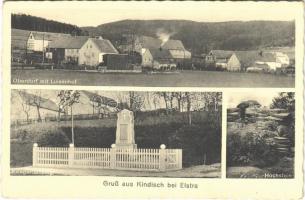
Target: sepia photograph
261	135
122	46
153	99
115	133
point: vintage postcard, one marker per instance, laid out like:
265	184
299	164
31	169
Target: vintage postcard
153	99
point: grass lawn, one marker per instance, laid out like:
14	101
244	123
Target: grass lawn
182	79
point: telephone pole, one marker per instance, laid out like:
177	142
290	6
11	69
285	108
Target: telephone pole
42	48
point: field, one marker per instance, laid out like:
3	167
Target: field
179	79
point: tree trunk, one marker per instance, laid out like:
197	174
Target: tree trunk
72	125
58	115
38	113
179	104
27	118
188	107
131	100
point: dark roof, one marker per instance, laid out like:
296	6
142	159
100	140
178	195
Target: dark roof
32	99
19	38
73	42
267	57
173	44
100	99
160	54
149	42
247	58
221	53
105	46
289	51
248	103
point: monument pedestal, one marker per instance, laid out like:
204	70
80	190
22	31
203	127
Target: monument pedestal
125	130
126	146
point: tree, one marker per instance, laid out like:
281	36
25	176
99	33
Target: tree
36	101
101	104
136	101
188	107
33	100
26	107
285	100
67	99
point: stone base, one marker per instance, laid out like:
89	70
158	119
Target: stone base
125	146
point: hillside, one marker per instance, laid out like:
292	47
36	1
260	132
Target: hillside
200	37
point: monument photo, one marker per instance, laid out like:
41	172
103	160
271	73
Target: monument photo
116	133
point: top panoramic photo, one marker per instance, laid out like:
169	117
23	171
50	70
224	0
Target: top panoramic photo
153	44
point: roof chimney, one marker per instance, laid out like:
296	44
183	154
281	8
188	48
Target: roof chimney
98	37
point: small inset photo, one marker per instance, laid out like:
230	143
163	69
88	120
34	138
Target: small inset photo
260	135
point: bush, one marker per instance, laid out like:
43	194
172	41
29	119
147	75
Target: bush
252	149
51	139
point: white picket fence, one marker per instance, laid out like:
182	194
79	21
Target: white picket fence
108	158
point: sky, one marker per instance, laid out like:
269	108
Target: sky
264	98
96	13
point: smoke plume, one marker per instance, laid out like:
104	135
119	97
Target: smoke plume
164	35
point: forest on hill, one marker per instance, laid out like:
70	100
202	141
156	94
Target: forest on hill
32	23
200	37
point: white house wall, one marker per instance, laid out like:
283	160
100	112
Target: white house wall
282	58
233	63
181	54
147	59
89	54
271	65
37	45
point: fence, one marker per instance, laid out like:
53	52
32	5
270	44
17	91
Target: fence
108	158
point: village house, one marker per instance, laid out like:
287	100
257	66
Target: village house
159	59
247	60
274	60
177	49
26	103
141	43
39	41
224	59
285	51
97	104
92	51
65	49
138	43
